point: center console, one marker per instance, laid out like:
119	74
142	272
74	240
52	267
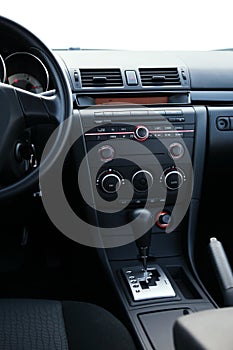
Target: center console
146	159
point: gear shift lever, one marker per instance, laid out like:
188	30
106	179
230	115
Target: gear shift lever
142	222
147	282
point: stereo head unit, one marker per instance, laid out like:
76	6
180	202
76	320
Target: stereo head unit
139	157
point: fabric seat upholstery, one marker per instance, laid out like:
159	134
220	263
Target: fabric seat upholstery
31	324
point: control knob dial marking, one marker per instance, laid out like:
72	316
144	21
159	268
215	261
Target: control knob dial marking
110	181
173	178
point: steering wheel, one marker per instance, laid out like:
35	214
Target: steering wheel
21	109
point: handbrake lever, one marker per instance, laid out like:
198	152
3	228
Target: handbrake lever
222	270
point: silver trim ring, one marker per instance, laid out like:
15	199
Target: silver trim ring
144	172
179	174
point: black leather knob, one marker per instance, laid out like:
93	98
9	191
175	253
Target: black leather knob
142	222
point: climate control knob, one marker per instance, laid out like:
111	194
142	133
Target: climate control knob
173	178
142	180
141	133
109	181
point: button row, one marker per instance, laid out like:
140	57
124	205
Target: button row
154	135
114	128
105	137
166	135
141	201
141	113
131	128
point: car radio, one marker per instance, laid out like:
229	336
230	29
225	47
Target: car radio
139	156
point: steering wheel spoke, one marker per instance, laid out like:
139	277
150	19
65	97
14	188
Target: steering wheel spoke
39	108
11	120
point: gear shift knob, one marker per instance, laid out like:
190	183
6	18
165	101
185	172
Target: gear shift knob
142	221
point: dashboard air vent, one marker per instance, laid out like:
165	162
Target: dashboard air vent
101	77
159	76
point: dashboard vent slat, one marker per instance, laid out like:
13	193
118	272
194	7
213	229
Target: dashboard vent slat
159	76
101	77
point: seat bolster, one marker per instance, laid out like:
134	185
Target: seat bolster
32	324
89	326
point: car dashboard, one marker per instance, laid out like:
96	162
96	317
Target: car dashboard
151	143
160	123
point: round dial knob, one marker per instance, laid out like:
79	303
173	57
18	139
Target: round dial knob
142	180
106	153
163	219
141	133
176	150
173	178
110	181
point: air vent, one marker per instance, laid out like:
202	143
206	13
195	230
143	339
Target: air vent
101	77
159	76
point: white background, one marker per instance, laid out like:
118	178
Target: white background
126	24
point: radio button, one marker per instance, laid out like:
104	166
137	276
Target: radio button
123	129
112	128
159	135
168	128
174	112
101	129
176	119
101	137
122	136
108	114
121	114
156	113
176	150
106	153
142	113
156	128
